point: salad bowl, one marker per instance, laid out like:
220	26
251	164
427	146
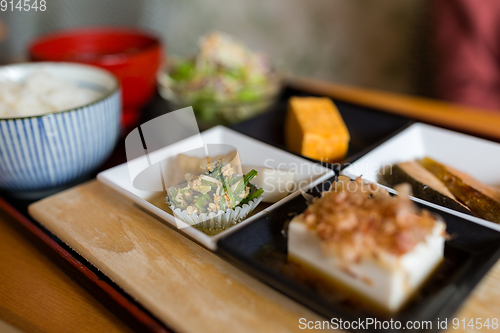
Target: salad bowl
225	82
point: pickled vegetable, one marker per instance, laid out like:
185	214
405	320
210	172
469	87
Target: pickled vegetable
480	198
425	185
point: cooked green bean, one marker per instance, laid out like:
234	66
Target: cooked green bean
219	189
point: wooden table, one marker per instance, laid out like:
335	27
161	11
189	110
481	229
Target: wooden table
36	296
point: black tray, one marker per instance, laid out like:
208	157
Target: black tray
260	248
367	127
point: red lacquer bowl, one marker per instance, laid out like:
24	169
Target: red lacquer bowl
133	56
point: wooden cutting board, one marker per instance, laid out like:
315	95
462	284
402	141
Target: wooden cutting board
184	285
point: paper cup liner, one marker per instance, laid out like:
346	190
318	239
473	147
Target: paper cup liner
213	223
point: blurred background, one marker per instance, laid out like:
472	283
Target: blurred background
377	44
436	48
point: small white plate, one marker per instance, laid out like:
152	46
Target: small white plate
251	152
477	157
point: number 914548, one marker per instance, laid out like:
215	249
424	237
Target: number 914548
477	323
23	5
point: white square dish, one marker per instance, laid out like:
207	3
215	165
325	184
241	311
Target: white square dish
477	157
252	152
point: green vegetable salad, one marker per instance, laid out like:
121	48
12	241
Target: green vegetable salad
224	72
218	189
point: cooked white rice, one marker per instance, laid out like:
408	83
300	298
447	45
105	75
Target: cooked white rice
42	93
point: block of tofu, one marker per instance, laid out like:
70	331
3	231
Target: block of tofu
314	128
386	277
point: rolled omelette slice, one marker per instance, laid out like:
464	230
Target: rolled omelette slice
314	128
